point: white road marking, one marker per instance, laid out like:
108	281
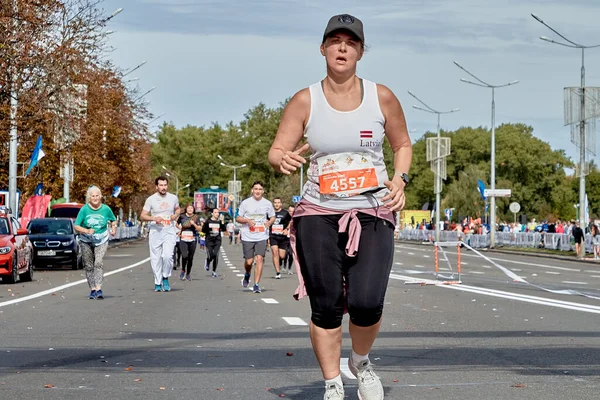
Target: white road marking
68	285
270	301
464	263
344	369
486	266
239	275
514	262
236	270
594	276
508	295
411	254
419	266
295	321
398	263
552	273
516	270
232	267
426	256
575	283
475	272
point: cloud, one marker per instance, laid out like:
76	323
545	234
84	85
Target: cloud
213	60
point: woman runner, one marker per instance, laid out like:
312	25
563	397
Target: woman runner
189	226
344	225
92	223
212	229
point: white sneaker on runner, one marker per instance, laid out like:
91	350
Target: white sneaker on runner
369	384
334	392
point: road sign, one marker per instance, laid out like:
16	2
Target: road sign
514	207
497	193
448	212
296	199
231	197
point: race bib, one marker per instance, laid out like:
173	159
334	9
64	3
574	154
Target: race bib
214	229
277	229
187	236
259	222
164	222
346	174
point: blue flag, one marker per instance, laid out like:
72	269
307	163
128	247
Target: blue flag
36	156
116	191
481	188
39	189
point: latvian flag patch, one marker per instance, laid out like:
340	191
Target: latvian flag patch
366	134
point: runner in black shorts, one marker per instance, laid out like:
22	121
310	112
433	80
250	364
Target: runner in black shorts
288	261
343	228
279	239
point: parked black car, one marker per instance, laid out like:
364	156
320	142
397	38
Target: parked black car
54	242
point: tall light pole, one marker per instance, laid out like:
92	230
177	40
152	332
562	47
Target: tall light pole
235	189
134	68
114	14
582	144
483	84
437	186
14	104
139	97
171	173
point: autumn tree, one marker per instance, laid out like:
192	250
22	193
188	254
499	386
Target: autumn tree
52	56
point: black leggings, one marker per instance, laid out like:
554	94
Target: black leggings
212	253
325	267
187	250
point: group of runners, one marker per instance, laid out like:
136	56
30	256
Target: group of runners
263	224
341	231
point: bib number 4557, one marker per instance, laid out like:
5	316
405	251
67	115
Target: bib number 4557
345	183
348	182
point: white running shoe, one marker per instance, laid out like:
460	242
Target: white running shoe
278	275
334	392
369	384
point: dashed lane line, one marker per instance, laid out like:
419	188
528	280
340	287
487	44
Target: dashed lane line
295	321
68	285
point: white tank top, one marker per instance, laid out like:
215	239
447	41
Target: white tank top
357	135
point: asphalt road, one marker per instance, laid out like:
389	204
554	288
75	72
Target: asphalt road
487	338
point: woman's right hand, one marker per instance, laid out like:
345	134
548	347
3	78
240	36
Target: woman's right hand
291	160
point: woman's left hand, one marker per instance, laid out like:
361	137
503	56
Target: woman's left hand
395	199
113	231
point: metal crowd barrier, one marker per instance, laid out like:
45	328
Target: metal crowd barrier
553	241
126	232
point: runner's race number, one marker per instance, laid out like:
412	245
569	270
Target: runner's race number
346	174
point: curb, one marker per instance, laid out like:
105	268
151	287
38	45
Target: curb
118	243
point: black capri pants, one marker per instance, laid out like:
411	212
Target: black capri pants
321	252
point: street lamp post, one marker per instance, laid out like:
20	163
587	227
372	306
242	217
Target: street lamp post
139	97
234	167
188	189
437	186
14	104
582	144
171	173
483	84
135	68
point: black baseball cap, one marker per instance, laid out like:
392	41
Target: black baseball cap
345	22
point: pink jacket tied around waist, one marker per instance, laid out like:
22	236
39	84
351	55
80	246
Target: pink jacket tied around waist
349	222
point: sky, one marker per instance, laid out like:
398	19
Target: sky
213	60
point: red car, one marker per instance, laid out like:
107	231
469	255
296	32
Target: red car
16	251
